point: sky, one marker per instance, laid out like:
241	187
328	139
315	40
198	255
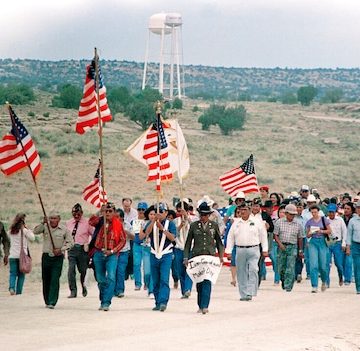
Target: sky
230	33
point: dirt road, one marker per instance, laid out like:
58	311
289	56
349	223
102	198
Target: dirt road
275	320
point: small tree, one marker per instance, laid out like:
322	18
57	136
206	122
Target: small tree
289	98
228	119
306	95
69	97
141	109
211	116
177	104
17	94
333	96
233	119
119	99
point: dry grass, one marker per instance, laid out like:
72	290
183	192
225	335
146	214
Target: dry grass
288	146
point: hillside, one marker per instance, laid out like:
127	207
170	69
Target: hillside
292	145
220	82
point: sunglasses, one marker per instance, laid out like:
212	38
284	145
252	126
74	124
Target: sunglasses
109	211
141	209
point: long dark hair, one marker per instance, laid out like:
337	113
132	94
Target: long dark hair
18	221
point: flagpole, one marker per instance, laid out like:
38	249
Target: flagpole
158	183
102	180
13	123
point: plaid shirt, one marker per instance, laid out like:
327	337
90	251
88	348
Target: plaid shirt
288	232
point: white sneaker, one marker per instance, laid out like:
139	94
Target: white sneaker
151	296
314	290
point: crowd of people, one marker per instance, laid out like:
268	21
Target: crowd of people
151	243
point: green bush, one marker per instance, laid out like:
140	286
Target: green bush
288	98
43	153
332	96
46	114
31	114
306	94
228	119
141	110
177	104
195	108
16	94
69	97
119	98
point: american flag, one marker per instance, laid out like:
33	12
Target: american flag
156	154
14	146
94	192
88	112
242	178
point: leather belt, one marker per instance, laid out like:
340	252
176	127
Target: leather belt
246	247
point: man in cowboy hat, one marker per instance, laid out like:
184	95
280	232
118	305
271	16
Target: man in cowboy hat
247	233
203	239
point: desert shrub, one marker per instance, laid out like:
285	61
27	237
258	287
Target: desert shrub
46	114
17	94
141	110
306	94
195	109
332	96
228	119
233	119
43	153
69	97
288	98
64	150
177	104
31	114
119	98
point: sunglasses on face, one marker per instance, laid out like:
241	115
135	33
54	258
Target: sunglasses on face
109	211
141	209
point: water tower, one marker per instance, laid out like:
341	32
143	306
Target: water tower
167	28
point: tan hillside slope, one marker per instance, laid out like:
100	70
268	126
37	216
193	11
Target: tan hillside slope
292	145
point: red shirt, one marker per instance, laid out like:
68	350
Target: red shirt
115	235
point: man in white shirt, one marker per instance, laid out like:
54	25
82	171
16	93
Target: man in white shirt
338	233
247	233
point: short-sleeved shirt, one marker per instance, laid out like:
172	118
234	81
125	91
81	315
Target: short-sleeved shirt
315	226
288	232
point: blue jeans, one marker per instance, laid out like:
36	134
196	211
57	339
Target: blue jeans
318	252
306	257
160	273
348	268
105	267
137	259
274	260
185	281
204	292
16	278
147	269
122	262
355	252
336	251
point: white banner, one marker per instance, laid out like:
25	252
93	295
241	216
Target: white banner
204	267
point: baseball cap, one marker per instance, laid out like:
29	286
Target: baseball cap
142	205
291	209
332	208
305	188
